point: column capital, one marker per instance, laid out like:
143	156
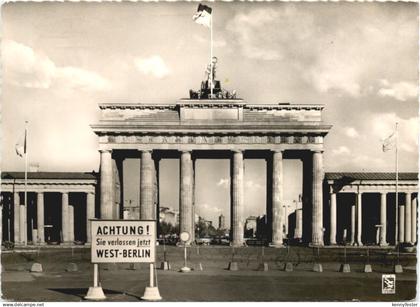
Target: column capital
241	151
146	151
90	192
65	193
185	151
277	151
105	151
321	151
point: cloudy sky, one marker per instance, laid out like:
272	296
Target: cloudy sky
359	59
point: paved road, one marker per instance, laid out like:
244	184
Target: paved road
214	283
210	285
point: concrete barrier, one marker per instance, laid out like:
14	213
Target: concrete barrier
134	266
368	268
164	265
398	269
288	267
317	267
345	268
233	266
36	268
72	267
263	267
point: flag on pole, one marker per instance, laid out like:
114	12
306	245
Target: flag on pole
203	15
389	142
21	146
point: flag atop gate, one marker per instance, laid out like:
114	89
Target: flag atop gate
203	15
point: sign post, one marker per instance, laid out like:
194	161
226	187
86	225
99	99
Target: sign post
123	241
185	236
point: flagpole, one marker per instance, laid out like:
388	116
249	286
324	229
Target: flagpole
211	54
396	185
26	184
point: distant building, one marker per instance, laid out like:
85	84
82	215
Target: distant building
222	224
251	226
263	227
168	215
131	210
206	222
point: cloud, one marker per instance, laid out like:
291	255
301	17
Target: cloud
401	91
342	150
351	132
383	125
217	43
334	74
223	182
333	54
409	147
80	78
269	45
153	66
209	212
27	68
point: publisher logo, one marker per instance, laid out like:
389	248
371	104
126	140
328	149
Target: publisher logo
388	283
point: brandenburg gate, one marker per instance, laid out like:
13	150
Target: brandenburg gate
191	129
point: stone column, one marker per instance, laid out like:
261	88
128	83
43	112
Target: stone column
71	223
237	180
22	222
298	230
414	219
401	224
118	166
156	207
90	214
353	224
317	218
107	188
65	217
155	188
16	208
333	219
359	219
146	185
40	217
186	193
277	199
382	240
407	235
193	202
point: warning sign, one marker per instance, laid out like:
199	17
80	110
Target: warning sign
123	241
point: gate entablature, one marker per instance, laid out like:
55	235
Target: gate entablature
211	124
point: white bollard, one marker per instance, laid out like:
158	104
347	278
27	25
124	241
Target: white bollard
185	269
95	293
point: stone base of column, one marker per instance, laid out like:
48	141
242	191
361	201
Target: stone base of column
276	245
383	244
238	244
320	244
68	243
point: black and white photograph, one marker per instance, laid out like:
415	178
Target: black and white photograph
209	151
